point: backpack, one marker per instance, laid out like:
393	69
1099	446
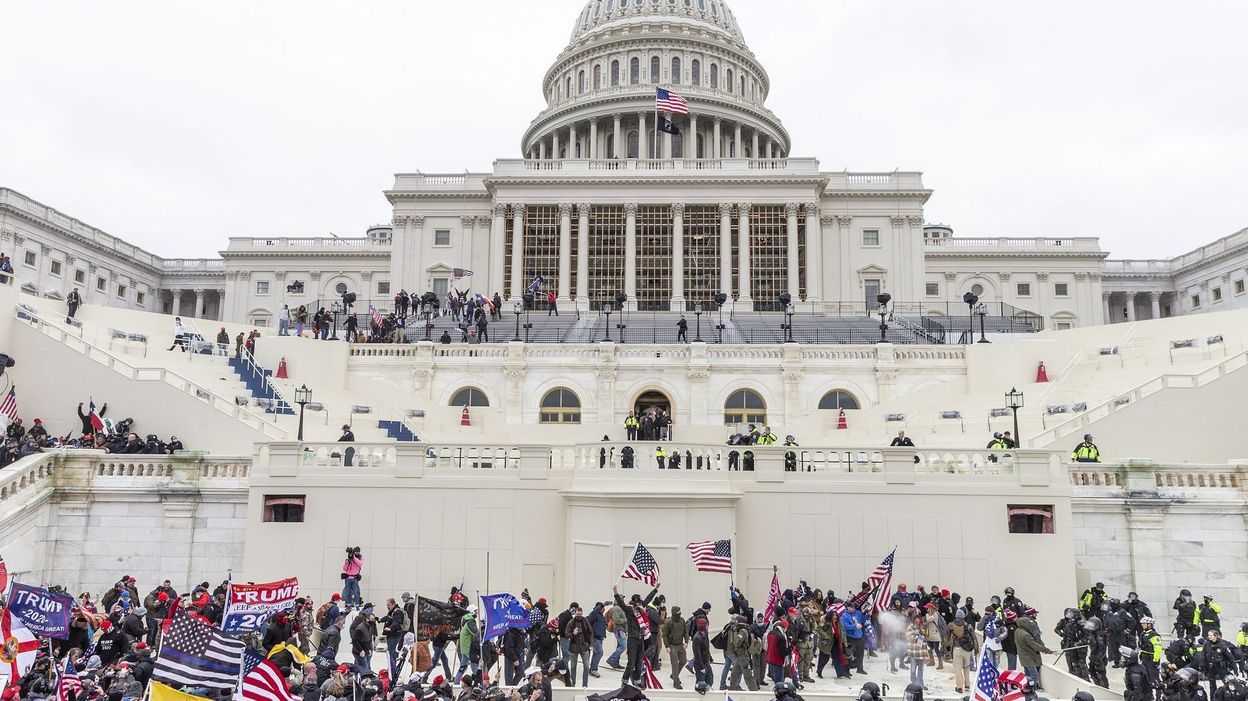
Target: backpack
406	627
965	641
320	614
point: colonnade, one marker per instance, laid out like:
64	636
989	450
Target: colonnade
719	138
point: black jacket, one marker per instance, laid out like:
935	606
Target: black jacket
634	628
86	418
701	651
513	644
392	623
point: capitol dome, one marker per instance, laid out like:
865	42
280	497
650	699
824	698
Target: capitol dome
600	90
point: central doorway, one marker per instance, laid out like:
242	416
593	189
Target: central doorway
650	402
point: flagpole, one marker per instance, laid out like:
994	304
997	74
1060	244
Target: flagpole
630	559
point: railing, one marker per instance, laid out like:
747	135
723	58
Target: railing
115	363
367	244
192	265
1137	267
28	473
1131	476
614	167
265	379
1083	243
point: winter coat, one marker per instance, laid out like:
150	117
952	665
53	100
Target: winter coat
777	646
361	638
634	628
598	622
513	644
1027	639
701	651
673	631
579	634
468	632
392	623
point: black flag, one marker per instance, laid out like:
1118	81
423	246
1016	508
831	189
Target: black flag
666	125
436	617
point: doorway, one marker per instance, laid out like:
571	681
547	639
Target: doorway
651	402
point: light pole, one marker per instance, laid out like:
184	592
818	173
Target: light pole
622	300
786	303
883	299
428	314
697	315
528	306
517	308
720	300
970	298
1014	400
981	310
606	309
303	395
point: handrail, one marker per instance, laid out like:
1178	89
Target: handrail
113	362
1144	389
256	370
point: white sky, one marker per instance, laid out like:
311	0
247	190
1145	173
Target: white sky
176	125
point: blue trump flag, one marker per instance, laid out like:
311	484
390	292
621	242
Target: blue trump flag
41	611
502	611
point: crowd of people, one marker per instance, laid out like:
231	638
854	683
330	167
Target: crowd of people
109	436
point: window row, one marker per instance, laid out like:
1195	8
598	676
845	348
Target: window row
680	70
1021	289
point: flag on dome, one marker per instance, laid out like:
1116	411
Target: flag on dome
668	101
667	126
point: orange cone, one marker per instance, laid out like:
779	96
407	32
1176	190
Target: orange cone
841	422
463	418
1042	375
281	370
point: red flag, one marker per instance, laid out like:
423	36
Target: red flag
4	575
773	598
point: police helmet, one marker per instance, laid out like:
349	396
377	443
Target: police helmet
1009	591
1187	675
784	687
1147	621
914	692
1082	696
1092	624
1072	613
872	689
1129	654
1244	626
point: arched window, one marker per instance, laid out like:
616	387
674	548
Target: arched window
634	71
568	89
561	406
838	399
580	83
695	72
745	406
615	72
742	90
632	144
728	80
597	77
675	70
714	76
654	69
469	396
611	146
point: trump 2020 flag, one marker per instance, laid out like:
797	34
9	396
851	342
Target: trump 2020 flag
502	611
41	611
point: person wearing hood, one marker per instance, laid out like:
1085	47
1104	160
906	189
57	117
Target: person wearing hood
277	632
674	636
598	623
742	646
1030	646
469	636
134	624
580	637
513	656
701	644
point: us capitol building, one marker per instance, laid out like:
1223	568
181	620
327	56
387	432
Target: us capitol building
592	207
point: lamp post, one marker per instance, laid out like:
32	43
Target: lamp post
428	314
606	309
883	299
1014	400
621	300
517	308
697	315
303	395
970	298
786	304
720	300
981	310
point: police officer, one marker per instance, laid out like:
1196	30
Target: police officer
1074	643
1219	658
1094	631
660	456
1207	616
1185	612
1151	651
1137	608
631	425
1135	678
1086	451
1092	599
1241	641
768	438
1234	689
1121	626
785	691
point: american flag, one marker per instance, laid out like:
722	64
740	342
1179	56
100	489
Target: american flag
668	101
773	598
1010	684
375	313
643	567
986	682
262	681
712	555
652	682
882	580
9	406
196	654
68	684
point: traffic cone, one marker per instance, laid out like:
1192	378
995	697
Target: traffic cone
841	422
463	418
1042	375
281	370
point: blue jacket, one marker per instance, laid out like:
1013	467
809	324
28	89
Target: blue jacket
598	623
852	622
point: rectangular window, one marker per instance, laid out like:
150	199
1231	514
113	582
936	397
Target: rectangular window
121	291
140	298
441	237
1030	518
933	289
870	237
440	286
101	284
1063	326
260	320
1239	287
1217	295
1061	289
262	287
1195	301
383	287
30	258
56	268
80	277
284	508
1024	289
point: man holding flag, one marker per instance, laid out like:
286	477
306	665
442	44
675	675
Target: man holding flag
638	631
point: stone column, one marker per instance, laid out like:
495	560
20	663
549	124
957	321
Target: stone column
177	303
678	256
616	118
630	253
715	150
498	246
691	141
572	134
517	250
1105	304
582	256
554	145
1131	306
736	141
743	255
814	254
565	252
593	138
847	294
541	148
198	312
1154	299
754	144
725	248
643	143
790	251
768	149
221	304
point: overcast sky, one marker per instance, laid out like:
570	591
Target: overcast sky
176	125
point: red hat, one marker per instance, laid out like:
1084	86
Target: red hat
336	597
792	610
343	669
930	606
784	622
38	421
944	592
140	646
1011	615
901	587
162	597
105	625
541	601
439	680
131	580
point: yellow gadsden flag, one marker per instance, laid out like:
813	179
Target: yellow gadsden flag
160	692
294	652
